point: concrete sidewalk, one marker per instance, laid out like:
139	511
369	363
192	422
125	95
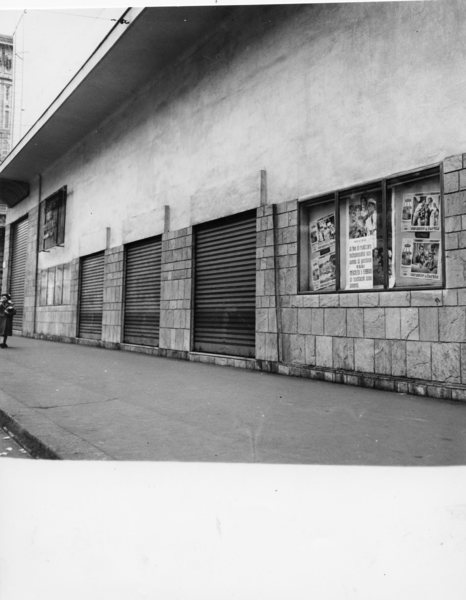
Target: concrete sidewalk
78	402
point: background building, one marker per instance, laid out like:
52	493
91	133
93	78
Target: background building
277	187
6	120
6	94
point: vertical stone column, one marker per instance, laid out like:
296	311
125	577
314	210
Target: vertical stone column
293	342
30	273
176	289
74	275
266	317
113	296
277	274
2	251
455	220
452	317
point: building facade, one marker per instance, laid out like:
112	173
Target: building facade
277	188
6	120
6	94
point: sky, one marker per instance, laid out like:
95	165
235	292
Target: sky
50	46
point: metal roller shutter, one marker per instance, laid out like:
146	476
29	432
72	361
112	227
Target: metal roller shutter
225	286
18	269
142	292
2	253
92	295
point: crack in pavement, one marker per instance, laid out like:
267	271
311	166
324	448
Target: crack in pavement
74	404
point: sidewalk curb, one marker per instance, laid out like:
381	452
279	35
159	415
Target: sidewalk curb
41	436
35	447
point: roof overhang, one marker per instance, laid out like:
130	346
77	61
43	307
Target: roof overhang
12	191
141	44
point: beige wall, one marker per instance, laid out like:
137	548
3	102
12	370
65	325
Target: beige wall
326	97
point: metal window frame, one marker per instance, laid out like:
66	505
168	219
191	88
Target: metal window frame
384	184
60	196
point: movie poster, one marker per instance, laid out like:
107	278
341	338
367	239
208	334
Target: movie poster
406	257
359	264
362	217
323	271
420	259
327	269
425	212
407	212
323	232
364	261
323	262
426	256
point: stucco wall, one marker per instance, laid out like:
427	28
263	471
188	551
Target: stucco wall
319	96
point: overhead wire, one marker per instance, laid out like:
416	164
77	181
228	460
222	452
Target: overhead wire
19	21
68	14
19	77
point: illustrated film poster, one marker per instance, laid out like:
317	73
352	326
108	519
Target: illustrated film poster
406	257
420	259
407	212
323	232
323	271
362	216
424	211
364	261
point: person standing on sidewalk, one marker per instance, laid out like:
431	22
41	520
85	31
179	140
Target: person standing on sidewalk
7	312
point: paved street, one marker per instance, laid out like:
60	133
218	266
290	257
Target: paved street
89	403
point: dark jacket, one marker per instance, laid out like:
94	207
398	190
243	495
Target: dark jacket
7	312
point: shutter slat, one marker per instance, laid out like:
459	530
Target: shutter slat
18	270
92	296
225	286
142	292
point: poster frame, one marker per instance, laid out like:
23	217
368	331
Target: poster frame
385	184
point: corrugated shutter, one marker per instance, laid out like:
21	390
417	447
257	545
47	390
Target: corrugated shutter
92	295
18	269
142	292
2	253
225	286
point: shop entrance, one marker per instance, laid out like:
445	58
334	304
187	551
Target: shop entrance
142	292
19	245
225	286
91	296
